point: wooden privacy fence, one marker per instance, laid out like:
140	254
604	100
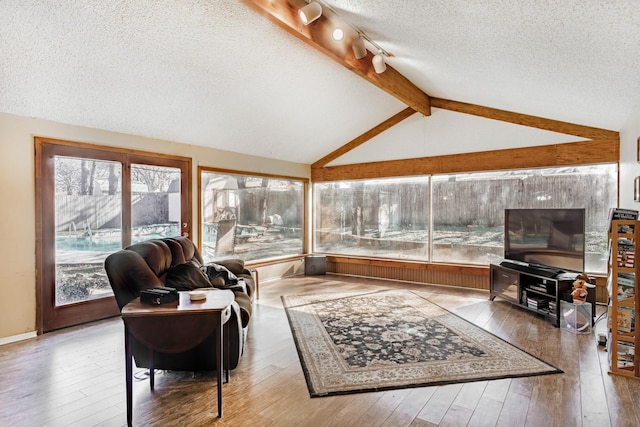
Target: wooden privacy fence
475	202
75	214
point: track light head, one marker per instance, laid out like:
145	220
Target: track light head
359	50
310	12
337	35
378	63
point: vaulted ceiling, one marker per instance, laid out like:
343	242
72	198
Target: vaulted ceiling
224	74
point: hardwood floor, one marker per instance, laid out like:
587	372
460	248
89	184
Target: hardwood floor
75	377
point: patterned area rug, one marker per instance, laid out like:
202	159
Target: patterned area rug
352	343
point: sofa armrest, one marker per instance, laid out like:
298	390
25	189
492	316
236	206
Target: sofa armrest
245	307
254	275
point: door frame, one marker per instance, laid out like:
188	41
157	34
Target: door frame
48	316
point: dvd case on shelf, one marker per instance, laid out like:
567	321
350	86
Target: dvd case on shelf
626	288
626	354
619	213
626	319
626	253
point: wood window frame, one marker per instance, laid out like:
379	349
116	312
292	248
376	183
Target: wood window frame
305	231
48	316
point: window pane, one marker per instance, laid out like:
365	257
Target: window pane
88	207
468	209
251	217
155	202
383	217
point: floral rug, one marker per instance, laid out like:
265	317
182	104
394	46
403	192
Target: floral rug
352	343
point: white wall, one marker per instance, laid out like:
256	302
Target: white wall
629	166
17	198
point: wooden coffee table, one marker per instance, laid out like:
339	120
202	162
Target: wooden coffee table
174	328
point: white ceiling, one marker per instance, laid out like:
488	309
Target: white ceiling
216	73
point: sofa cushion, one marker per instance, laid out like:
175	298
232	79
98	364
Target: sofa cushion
155	253
186	277
183	250
178	255
129	274
234	265
215	271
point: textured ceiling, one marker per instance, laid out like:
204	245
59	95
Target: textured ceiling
215	73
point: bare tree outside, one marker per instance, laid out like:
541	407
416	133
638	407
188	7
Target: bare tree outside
155	178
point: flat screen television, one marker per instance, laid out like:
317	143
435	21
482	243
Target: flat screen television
546	237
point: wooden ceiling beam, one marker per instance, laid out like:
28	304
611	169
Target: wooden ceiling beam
525	120
566	154
371	133
318	35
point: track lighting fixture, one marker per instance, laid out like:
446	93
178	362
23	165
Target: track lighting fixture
378	63
314	10
310	12
359	50
337	35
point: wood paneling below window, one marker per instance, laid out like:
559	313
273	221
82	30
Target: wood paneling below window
459	275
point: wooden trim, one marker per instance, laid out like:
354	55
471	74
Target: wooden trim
572	153
414	265
48	315
371	133
318	35
110	150
250	173
305	193
199	209
39	204
525	120
306	231
274	261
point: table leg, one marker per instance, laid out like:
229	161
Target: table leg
152	371
219	352
227	358
128	374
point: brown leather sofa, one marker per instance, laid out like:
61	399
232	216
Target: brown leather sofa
176	262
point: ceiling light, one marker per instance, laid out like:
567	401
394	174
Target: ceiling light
359	51
378	63
310	12
337	35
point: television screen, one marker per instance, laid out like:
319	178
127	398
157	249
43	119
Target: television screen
546	237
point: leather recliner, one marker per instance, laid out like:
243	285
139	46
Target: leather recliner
148	264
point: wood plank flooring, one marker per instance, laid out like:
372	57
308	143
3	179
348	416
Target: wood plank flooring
75	377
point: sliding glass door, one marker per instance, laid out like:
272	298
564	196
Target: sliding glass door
93	201
88	226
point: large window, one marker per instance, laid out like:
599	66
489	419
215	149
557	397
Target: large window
250	217
468	209
393	218
380	217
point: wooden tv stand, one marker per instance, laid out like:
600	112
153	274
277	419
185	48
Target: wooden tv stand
533	287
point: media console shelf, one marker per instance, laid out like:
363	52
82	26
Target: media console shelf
535	289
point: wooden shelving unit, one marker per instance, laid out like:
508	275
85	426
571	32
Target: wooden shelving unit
624	301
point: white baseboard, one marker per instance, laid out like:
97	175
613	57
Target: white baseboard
15	338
